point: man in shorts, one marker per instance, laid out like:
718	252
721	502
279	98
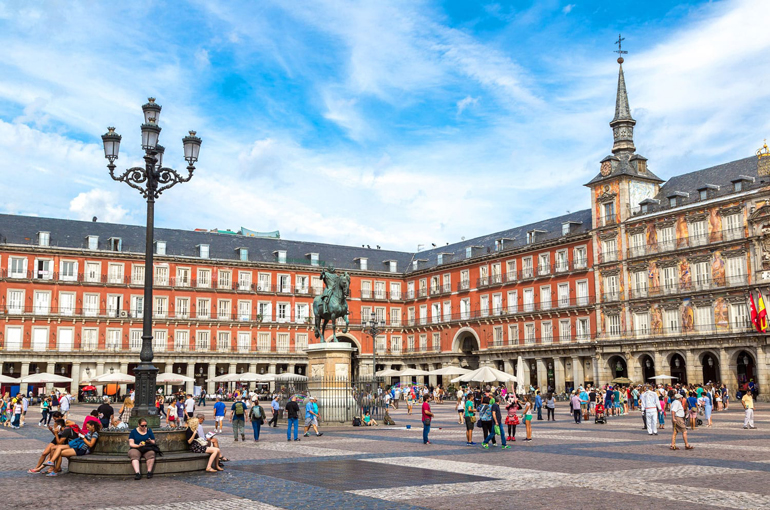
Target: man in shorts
677	416
468	416
219	414
311	417
24	407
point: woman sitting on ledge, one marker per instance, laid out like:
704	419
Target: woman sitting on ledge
141	442
199	445
81	445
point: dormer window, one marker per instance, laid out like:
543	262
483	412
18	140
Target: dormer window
243	254
415	265
469	252
44	238
160	247
116	243
93	242
313	259
363	263
645	208
203	251
672	202
703	194
564	229
440	258
742	182
281	255
393	266
738	186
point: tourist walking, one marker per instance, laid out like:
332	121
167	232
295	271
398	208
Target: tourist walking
276	408
550	405
748	405
469	417
650	409
292	418
526	414
485	417
708	407
539	405
105	412
219	414
257	417
311	417
189	407
202	398
692	409
460	408
497	423
64	405
512	420
427	417
238	418
679	425
45	404
576	410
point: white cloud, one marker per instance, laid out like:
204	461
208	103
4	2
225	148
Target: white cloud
202	58
100	203
465	102
568	8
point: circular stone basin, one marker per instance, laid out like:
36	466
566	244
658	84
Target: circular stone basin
115	442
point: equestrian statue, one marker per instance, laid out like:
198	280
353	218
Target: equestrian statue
332	303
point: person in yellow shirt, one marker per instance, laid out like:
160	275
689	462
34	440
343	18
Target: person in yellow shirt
748	405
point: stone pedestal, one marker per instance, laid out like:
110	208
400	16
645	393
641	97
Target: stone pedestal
329	380
329	360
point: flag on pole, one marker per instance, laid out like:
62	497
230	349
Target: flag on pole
754	315
761	313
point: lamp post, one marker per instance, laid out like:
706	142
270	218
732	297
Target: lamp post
373	328
150	180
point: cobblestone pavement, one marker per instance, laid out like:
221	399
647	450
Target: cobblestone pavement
565	466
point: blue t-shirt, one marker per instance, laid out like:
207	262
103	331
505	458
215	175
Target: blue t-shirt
583	397
692	402
275	405
308	408
138	438
538	401
219	408
179	409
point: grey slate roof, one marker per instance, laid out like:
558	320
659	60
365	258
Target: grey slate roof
720	175
548	230
72	234
624	167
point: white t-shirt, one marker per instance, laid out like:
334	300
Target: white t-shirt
677	409
25	403
17	408
64	403
189	405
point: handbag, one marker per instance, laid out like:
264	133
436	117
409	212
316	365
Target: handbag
497	430
472	418
77	443
426	422
202	441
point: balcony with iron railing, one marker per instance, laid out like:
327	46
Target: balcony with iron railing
607	220
695	285
687	242
609	257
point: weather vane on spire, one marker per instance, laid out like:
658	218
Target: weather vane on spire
620	51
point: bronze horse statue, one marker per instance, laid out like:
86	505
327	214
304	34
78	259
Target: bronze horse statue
332	304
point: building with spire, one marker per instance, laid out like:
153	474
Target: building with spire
652	280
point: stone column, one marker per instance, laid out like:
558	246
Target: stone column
508	366
169	367
634	369
24	373
526	377
693	368
595	368
292	367
727	372
578	376
661	367
210	389
432	379
329	368
51	369
763	375
99	368
188	388
253	368
75	384
558	374
542	375
123	370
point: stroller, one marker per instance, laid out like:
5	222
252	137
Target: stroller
600	418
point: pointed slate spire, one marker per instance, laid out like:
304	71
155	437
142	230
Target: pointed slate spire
622	125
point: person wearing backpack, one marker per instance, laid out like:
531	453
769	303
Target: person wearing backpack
238	418
257	416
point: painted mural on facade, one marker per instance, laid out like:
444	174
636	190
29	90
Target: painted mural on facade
718	269
688	317
721	316
715	225
681	232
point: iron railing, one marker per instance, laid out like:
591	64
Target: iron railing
695	285
718	236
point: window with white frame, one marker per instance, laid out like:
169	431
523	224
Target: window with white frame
181	340
640	284
202	340
732	227
366	289
137	274
513	334
114	305
161	275
565	330
159	340
497	304
609	250
204	278
497	336
410	343
65	339
544	263
223	341
115	273
244	341
528	299
739	316
546	332
698	232
465	309
282	342
160	247
529	333
395	343
435	312
666	239
43	238
670	280
410	316
510	270
89	339
465	279
15	302
526	267
495	276
284	283
67	303
436	342
637	244
44	269
316	285
545	298
580	257
379	314
113	342
182	308
563	294
300	342
93	242
736	270
613	325
203	308
701	275
641	324
581	289
434	285
244	280
161	306
395	317
224	309
301	311
484	306
90	305
423	343
582	329
263	281
281	255
244	310
282	312
423	314
562	263
17	267
13	338
447	311
203	251
366	313
183	277
68	270
42	302
302	283
224	279
611	290
671	321
135	340
513	301
704	319
395	290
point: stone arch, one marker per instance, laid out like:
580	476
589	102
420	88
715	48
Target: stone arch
668	357
647	372
738	350
612	363
710	365
460	336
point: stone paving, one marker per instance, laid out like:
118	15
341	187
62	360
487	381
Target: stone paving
565	466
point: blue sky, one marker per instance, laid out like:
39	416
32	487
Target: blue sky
390	123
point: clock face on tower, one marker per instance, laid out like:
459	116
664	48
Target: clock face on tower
606	168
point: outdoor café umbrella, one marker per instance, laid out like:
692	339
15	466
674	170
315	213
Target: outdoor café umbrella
88	388
172	378
411	372
4	379
221	378
663	378
388	373
113	378
485	374
290	377
45	378
449	370
621	380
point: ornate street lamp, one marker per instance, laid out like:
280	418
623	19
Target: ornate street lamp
373	328
150	180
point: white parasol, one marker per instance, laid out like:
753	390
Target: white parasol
485	374
113	378
449	370
45	378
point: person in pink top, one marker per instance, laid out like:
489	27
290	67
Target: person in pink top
427	416
94	416
576	407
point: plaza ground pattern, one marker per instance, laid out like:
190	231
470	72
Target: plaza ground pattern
610	466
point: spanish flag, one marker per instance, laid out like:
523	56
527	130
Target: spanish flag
762	314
